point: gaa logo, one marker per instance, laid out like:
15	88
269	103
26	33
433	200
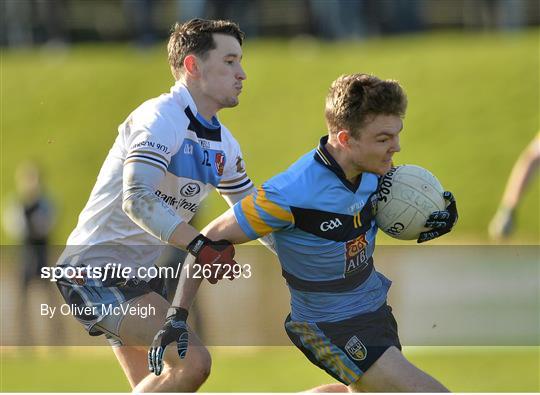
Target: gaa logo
356	349
330	225
190	189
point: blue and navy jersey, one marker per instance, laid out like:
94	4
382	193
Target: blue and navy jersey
324	230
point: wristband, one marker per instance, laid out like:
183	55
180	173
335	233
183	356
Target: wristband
195	246
179	313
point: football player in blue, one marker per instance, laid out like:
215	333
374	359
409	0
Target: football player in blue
321	212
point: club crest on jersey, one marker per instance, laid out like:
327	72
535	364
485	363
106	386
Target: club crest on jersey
355	254
220	163
356	349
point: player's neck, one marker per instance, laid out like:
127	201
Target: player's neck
206	106
351	172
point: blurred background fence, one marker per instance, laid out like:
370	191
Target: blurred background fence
57	22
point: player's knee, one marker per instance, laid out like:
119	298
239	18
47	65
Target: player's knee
199	365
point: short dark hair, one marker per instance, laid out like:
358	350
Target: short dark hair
354	98
195	37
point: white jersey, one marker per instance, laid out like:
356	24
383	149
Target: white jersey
195	156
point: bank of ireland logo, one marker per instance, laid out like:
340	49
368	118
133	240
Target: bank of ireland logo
190	189
220	163
356	349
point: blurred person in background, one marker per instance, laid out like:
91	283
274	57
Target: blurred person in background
190	9
502	224
29	219
335	19
140	15
495	14
30	22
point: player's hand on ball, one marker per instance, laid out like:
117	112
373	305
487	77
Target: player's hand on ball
441	222
174	329
217	255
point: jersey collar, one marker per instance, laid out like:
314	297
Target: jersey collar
324	158
185	97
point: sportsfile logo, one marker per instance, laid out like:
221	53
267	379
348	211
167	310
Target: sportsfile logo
330	225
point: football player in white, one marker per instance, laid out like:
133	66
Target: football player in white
169	153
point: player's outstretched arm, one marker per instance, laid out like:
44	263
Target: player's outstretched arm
203	250
501	225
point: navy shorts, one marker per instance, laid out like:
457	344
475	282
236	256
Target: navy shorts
346	349
95	293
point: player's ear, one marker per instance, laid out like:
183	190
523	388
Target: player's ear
343	137
191	66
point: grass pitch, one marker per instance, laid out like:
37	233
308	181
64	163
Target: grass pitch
271	369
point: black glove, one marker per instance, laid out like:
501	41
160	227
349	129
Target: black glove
217	255
174	329
441	222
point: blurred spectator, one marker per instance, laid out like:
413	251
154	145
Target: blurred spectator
29	22
502	225
495	14
190	9
400	16
338	19
29	218
139	14
349	19
243	12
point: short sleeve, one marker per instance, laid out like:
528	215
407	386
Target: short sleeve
235	179
152	144
263	212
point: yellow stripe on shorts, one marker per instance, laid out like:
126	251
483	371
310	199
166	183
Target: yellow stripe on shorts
321	347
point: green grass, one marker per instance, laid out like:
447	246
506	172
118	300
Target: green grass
272	369
473	106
